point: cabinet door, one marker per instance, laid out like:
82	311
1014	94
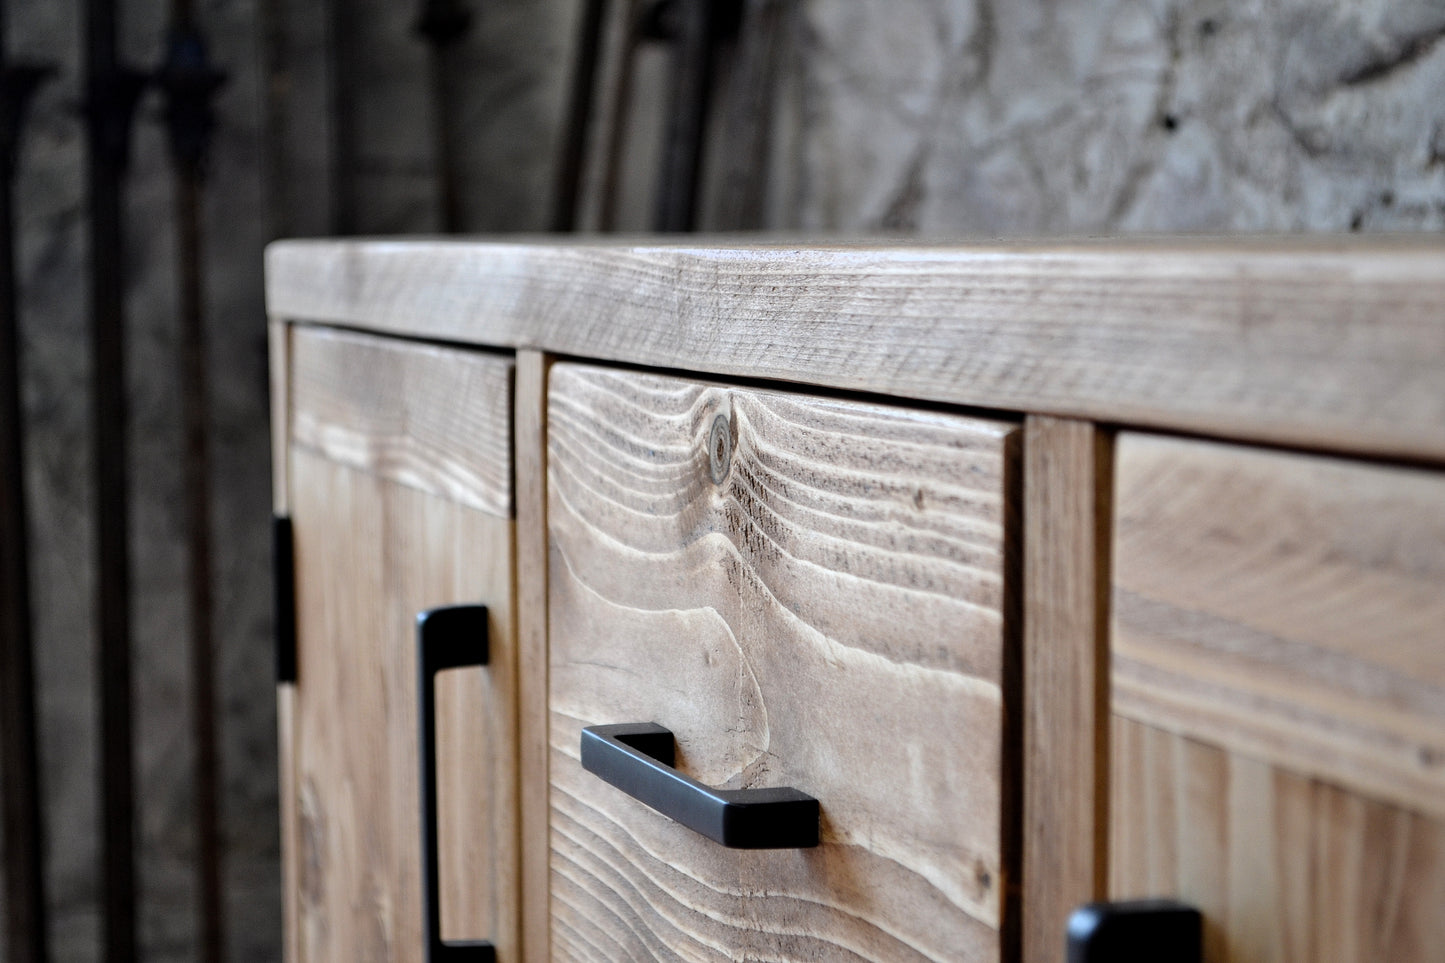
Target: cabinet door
807	593
400	478
1278	688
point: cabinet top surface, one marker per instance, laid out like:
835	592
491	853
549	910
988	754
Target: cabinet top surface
1334	343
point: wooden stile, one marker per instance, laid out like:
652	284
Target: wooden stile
1065	749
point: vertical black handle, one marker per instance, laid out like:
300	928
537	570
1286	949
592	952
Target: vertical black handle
1139	931
451	637
283	587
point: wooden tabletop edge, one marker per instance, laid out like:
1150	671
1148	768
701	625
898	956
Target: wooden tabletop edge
1332	342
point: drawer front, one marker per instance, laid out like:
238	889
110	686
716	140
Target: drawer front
808	593
401	499
1278	688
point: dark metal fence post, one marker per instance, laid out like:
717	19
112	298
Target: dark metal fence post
697	27
579	115
342	107
189	84
19	759
112	92
443	23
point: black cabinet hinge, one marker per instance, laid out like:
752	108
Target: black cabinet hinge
283	581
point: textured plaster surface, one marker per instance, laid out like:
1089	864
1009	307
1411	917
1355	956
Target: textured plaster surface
1030	117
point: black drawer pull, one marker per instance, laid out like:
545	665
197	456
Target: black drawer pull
452	637
1139	931
638	759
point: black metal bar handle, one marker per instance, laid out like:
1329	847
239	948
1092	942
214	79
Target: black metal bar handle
1135	931
638	759
451	637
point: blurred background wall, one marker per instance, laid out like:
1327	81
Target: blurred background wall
931	117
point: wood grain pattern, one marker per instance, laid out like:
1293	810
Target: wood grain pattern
371	553
1326	342
1288	607
435	419
1066	583
811	596
1286	869
530	417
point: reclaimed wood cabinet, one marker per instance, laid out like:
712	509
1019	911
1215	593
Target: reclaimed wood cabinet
1046	575
400	502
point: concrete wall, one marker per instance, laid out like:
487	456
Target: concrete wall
938	117
1103	116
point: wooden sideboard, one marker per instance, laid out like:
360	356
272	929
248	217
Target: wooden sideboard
1048	574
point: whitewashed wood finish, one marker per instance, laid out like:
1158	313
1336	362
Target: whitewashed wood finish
1285	869
435	419
1288	607
372	553
1327	342
829	616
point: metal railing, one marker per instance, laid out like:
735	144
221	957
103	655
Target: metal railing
185	86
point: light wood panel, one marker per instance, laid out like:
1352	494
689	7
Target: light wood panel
808	592
1288	607
402	492
371	553
1285	869
1328	342
1066	538
530	416
435	419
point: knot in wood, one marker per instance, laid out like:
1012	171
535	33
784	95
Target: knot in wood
719	449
